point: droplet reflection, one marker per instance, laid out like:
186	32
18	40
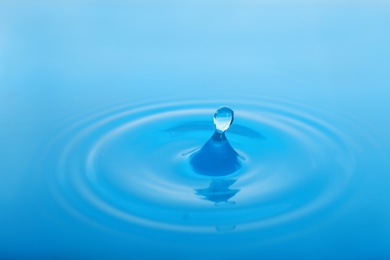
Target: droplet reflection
218	191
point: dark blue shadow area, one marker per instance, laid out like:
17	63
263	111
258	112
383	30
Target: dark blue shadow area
216	158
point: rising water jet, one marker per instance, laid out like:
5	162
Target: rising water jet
217	157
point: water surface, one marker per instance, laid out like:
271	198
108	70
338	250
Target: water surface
102	107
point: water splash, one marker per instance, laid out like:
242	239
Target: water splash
129	168
217	157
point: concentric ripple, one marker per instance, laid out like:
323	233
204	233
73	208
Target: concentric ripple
130	166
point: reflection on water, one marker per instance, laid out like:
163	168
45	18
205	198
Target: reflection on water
218	191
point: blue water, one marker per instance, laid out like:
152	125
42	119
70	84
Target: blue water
106	120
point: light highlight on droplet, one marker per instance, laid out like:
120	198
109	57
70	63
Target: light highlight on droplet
223	118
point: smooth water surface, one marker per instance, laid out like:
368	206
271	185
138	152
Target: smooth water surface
118	139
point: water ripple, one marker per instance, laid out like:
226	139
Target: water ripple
130	166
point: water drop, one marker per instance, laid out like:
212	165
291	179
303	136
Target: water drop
223	118
217	157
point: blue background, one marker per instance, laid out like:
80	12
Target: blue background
63	59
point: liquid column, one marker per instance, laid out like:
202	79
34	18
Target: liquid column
217	157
